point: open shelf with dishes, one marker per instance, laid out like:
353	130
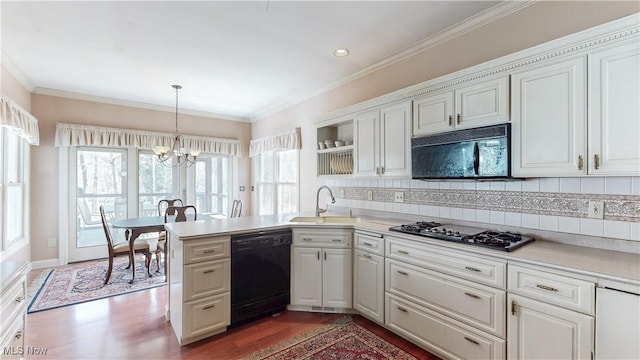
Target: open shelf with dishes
335	147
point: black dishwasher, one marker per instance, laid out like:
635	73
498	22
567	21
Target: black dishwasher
260	274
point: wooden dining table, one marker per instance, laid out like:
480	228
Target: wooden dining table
134	227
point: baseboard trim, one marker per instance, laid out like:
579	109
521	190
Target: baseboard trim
43	264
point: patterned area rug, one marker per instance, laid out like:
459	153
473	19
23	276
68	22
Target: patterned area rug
342	340
80	282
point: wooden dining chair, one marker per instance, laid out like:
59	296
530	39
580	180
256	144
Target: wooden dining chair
174	214
122	248
236	208
165	203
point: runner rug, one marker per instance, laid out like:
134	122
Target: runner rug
80	282
342	340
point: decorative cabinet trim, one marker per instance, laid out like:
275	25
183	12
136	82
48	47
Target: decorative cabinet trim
573	44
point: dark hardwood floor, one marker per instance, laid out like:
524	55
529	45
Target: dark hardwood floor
132	326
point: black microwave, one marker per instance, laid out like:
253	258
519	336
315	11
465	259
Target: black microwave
480	154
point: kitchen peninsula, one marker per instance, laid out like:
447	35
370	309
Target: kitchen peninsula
558	275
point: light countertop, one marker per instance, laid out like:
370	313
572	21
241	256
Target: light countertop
594	262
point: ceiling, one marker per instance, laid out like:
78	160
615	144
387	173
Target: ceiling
235	59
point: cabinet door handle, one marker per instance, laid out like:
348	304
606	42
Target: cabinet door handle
580	162
513	307
401	309
208	271
450	120
403	252
318	254
325	256
471	340
381	170
306	239
545	287
377	170
472	295
367	256
208	251
19	299
596	160
402	273
18	335
459	119
208	307
472	269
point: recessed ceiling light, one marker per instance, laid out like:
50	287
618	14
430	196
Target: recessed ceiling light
341	52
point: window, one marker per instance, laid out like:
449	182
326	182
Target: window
155	182
12	181
277	182
212	184
101	178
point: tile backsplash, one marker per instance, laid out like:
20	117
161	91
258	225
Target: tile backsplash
549	204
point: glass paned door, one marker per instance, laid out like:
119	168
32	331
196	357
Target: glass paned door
212	184
101	179
155	182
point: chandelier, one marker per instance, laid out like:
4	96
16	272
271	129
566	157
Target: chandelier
182	155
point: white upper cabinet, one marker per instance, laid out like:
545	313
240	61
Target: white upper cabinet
549	119
614	111
382	141
480	104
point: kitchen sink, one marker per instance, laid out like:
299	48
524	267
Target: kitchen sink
325	220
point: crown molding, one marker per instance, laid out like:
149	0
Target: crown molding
13	69
471	23
134	104
576	44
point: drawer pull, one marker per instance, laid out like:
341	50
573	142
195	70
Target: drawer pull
208	271
472	295
403	252
472	269
209	251
367	256
336	240
208	307
18	335
401	309
366	244
306	239
471	340
19	299
545	287
402	273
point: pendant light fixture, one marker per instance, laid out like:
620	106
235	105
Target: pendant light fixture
181	154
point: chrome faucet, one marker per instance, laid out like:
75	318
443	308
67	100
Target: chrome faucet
333	200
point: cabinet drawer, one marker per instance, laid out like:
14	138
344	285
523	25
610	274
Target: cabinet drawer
13	302
206	315
206	249
12	341
323	238
447	337
206	278
477	268
369	243
477	305
554	289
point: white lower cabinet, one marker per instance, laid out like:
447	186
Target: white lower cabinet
444	300
538	330
551	314
440	334
199	287
321	269
368	276
13	310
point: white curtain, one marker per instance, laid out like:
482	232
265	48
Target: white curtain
288	141
14	116
86	135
